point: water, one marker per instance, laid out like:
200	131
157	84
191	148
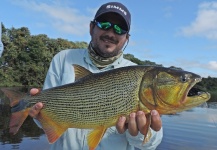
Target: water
195	129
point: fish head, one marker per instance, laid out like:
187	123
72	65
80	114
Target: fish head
170	90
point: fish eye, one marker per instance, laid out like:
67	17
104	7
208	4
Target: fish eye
184	78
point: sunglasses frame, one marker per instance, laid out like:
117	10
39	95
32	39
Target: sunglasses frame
98	24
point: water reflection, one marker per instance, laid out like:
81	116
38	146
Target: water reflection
28	136
195	129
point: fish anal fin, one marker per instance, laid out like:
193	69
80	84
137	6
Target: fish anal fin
17	120
80	72
148	137
52	129
95	136
14	96
147	130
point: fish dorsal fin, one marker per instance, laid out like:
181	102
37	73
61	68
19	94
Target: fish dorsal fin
95	136
14	96
80	72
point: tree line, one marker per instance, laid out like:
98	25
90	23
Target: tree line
26	58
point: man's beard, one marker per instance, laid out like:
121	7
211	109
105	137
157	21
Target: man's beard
103	54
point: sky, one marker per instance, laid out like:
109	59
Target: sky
180	33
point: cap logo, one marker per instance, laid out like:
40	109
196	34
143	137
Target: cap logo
117	7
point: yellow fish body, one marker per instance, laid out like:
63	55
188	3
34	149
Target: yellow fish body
96	101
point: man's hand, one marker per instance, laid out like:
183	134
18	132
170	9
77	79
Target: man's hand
34	111
137	122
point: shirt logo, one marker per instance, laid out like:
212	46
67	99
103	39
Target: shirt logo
117	7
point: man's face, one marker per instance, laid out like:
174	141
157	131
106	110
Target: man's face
106	42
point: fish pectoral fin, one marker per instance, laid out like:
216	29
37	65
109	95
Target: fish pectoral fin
80	72
17	120
95	136
52	129
147	131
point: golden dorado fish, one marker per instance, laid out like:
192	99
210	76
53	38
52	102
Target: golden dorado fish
96	101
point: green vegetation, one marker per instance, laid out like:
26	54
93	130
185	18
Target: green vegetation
139	62
209	84
26	58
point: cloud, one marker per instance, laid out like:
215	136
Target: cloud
204	69
212	65
184	63
61	16
205	24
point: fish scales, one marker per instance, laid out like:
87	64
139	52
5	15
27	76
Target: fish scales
98	100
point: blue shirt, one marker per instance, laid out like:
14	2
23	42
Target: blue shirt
61	72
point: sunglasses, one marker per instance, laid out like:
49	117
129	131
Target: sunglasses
108	25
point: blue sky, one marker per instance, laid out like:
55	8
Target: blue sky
181	33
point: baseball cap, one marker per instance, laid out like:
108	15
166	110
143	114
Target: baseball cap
115	7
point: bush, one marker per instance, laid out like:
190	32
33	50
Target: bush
213	96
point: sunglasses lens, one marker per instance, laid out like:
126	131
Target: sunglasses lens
104	25
118	30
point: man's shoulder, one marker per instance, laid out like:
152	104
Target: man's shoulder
126	62
71	51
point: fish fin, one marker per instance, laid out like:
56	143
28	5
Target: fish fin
147	134
14	96
80	72
17	120
95	136
52	129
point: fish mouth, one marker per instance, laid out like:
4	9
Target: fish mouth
195	91
197	94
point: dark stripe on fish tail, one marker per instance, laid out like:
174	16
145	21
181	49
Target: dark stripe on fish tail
20	106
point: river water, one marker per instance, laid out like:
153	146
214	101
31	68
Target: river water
195	129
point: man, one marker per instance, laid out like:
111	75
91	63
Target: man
109	33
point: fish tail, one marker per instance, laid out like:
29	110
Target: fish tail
18	115
17	119
14	96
